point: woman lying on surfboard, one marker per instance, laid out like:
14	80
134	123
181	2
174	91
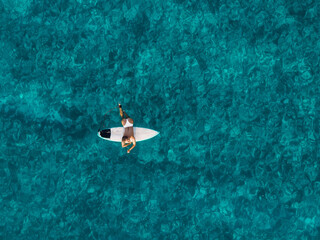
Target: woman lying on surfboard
128	137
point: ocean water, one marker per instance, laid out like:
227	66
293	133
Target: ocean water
232	86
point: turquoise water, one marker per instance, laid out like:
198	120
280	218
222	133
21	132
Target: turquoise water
232	86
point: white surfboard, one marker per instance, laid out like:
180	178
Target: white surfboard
116	134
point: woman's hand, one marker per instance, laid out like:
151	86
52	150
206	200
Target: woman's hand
128	151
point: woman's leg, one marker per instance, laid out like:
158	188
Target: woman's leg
127	117
121	113
126	114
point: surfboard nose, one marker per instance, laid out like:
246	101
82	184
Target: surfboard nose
106	133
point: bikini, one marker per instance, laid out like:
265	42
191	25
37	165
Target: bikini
128	124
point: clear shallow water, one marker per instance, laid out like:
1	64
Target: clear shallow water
233	87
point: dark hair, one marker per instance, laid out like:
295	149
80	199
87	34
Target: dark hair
124	138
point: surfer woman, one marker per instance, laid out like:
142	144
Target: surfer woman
128	137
